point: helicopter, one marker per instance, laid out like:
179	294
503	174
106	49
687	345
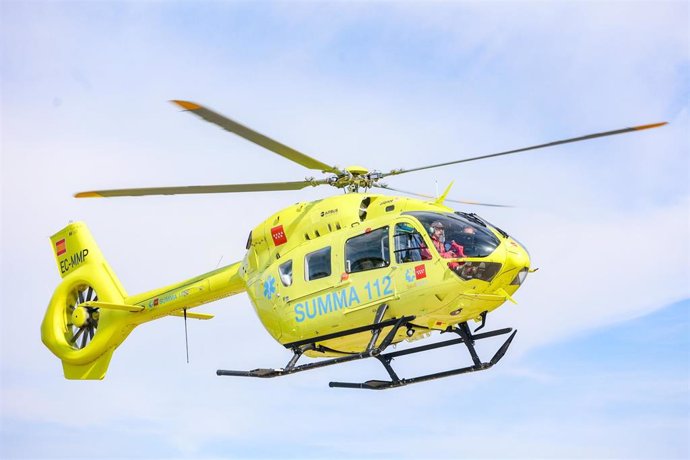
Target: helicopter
343	278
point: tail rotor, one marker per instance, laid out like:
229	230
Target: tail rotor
82	321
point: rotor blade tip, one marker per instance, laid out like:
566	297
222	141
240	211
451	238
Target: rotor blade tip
653	125
88	195
186	105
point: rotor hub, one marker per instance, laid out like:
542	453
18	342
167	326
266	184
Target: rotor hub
82	319
355	178
357	170
80	316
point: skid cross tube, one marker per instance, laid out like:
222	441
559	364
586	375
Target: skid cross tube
356	330
465	337
299	348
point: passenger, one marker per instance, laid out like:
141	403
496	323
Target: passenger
468	230
438	238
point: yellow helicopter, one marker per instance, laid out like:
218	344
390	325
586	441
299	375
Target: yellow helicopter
343	278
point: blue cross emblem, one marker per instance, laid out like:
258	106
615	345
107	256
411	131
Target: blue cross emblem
269	287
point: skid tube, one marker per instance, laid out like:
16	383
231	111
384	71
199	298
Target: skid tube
372	351
465	337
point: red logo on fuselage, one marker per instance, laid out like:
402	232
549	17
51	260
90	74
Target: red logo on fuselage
420	271
278	235
61	247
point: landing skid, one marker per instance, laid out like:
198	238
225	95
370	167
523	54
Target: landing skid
373	351
386	358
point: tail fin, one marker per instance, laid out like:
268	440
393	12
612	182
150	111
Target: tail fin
80	335
74	247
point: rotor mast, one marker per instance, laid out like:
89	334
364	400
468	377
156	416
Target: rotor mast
356	178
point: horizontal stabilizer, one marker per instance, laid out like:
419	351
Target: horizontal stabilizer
113	306
192	315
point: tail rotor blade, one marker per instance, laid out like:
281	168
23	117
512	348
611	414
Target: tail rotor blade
77	334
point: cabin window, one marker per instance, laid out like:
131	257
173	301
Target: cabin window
285	270
409	244
317	264
368	251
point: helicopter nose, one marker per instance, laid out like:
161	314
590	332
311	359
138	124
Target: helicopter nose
517	257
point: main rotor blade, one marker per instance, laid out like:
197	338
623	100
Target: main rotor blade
395	172
447	199
194	189
257	138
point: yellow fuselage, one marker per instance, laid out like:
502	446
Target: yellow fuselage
345	299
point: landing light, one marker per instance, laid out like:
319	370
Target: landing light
520	277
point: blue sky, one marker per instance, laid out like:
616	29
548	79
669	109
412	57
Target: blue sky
600	367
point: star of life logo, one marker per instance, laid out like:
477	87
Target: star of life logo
269	287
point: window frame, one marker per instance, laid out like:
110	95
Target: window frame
423	240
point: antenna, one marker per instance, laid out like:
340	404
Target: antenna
186	341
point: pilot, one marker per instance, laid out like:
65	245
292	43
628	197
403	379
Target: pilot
438	237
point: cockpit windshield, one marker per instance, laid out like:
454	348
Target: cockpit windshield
454	236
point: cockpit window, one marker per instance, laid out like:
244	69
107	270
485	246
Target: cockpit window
454	236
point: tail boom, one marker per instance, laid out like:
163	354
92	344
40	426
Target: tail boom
209	287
